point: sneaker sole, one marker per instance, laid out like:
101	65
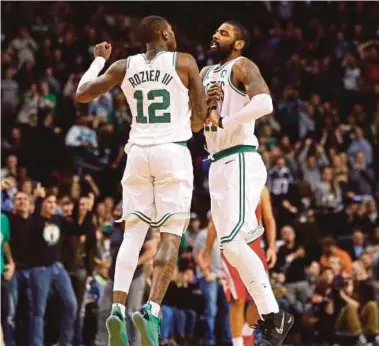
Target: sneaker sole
114	327
139	322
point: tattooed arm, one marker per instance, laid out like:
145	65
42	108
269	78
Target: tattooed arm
247	74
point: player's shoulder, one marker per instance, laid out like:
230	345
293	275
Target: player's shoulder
204	71
185	58
119	66
186	62
243	63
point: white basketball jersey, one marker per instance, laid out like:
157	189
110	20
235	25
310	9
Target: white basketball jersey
234	100
158	100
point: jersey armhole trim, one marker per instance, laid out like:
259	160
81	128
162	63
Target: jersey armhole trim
175	60
128	62
177	78
207	72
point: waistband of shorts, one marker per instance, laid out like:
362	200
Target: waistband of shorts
233	150
183	143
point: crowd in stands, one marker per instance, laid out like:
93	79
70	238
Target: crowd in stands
62	163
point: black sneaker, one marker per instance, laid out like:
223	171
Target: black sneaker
275	328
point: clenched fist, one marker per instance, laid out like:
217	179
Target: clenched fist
103	49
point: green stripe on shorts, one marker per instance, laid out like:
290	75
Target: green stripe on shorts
163	219
241	219
142	216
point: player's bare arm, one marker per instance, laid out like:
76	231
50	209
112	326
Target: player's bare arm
246	75
270	227
91	85
189	73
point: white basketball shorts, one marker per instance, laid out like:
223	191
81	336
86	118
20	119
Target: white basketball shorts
158	183
236	180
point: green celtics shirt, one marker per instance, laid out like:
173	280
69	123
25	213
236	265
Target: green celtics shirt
5	237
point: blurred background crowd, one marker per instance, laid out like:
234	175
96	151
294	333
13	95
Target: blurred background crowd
62	163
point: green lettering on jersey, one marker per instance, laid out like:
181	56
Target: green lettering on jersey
210	128
153	107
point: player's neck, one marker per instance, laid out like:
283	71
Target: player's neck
152	49
231	56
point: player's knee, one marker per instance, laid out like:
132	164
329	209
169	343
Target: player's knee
232	251
176	224
133	222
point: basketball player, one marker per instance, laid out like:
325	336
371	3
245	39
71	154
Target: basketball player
237	174
162	87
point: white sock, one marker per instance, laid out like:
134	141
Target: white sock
238	341
253	275
128	254
155	308
122	308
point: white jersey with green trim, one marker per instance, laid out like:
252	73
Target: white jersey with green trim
234	100
158	100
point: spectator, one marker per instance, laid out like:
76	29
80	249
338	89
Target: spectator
362	267
329	201
47	100
308	164
280	178
19	234
52	82
79	251
81	136
291	264
101	108
329	248
358	245
360	144
29	108
361	176
24	46
10	96
8	190
7	267
11	167
307	124
212	289
179	315
48	271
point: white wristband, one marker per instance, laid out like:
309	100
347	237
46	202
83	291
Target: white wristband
93	71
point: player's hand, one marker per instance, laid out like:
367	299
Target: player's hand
215	95
39	191
103	49
271	257
214	117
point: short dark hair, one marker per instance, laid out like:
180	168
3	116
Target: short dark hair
328	241
150	27
241	32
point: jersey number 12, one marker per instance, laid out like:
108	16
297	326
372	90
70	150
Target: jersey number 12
153	107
